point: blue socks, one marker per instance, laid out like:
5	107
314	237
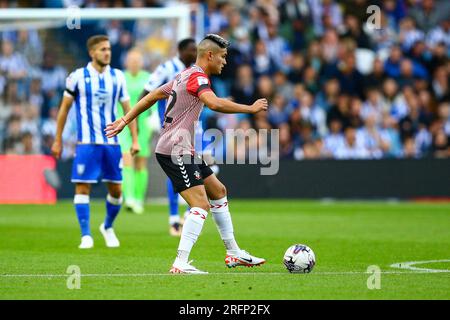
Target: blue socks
113	206
173	199
81	203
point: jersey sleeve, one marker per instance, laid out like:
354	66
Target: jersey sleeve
167	87
156	79
198	83
71	89
123	91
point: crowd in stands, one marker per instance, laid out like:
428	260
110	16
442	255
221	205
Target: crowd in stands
338	86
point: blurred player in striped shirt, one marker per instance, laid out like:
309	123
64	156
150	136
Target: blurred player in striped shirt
96	89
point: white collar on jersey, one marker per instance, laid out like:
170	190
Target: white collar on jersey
196	66
92	70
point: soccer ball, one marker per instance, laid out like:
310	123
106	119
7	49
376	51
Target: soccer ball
299	258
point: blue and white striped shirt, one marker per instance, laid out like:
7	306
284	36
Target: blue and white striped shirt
165	72
96	96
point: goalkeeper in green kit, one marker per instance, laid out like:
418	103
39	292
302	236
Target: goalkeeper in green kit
135	172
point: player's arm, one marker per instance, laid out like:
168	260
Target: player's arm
135	148
226	106
145	103
64	109
143	94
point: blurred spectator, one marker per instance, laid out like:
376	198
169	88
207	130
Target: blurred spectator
263	64
439	34
243	90
286	143
335	139
369	136
391	138
392	64
323	10
295	16
409	34
53	81
374	105
14	69
30	46
284	87
295	75
120	49
351	149
409	148
441	146
278	48
328	97
440	83
277	112
354	30
350	80
428	13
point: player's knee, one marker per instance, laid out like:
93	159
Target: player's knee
115	192
221	191
82	189
203	205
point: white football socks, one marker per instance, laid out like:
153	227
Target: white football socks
222	218
191	230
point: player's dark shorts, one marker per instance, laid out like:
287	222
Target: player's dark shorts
184	174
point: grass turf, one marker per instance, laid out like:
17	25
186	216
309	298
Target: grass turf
38	243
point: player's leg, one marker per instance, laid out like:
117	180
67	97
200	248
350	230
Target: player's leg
113	205
217	195
140	162
112	175
128	181
128	171
186	179
85	170
174	216
141	183
193	225
82	208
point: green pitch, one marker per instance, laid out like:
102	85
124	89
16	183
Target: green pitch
39	243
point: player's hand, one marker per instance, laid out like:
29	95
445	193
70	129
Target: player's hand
56	149
259	105
113	129
135	148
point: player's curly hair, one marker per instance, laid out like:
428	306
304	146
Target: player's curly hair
221	42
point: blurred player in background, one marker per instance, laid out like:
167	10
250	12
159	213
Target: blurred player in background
190	175
96	89
166	72
135	172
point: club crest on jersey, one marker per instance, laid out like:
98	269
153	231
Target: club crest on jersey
80	169
197	175
202	80
102	96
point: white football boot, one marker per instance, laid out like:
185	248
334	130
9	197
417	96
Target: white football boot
185	267
110	237
138	208
243	258
86	242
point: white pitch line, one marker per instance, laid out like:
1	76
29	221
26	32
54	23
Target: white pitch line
99	275
409	266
